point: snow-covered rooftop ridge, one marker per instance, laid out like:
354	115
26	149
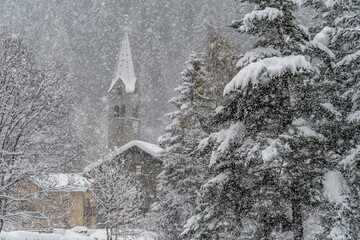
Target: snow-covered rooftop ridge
125	68
262	71
62	182
149	148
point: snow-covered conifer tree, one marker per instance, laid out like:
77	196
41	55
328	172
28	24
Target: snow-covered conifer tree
266	167
341	34
219	65
182	174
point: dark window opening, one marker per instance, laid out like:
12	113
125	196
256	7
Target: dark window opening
122	111
120	91
116	111
135	112
65	204
65	223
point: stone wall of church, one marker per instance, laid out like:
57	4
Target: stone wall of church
150	168
123	115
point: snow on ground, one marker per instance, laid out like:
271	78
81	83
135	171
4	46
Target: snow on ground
73	234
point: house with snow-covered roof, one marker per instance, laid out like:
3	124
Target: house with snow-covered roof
141	160
55	200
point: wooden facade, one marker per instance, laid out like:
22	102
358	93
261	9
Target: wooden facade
47	209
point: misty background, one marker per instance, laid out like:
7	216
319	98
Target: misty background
85	36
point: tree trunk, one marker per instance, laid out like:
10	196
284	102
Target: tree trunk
217	235
297	221
108	235
3	203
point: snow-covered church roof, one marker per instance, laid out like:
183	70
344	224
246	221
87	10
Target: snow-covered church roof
125	68
151	149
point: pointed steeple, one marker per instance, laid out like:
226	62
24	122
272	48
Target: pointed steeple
124	100
125	68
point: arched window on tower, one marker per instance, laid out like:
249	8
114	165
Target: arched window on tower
135	112
120	91
122	111
116	111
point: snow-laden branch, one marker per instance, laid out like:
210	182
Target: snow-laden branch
268	13
263	71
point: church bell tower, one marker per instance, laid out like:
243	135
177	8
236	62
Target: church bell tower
124	100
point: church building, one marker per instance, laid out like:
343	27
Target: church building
139	158
124	101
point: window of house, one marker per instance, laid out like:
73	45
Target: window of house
122	111
138	169
65	203
120	91
135	112
116	111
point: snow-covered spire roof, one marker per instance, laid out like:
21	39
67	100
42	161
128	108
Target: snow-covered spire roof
125	67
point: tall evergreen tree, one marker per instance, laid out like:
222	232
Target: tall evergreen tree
266	167
342	35
219	65
200	94
182	175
